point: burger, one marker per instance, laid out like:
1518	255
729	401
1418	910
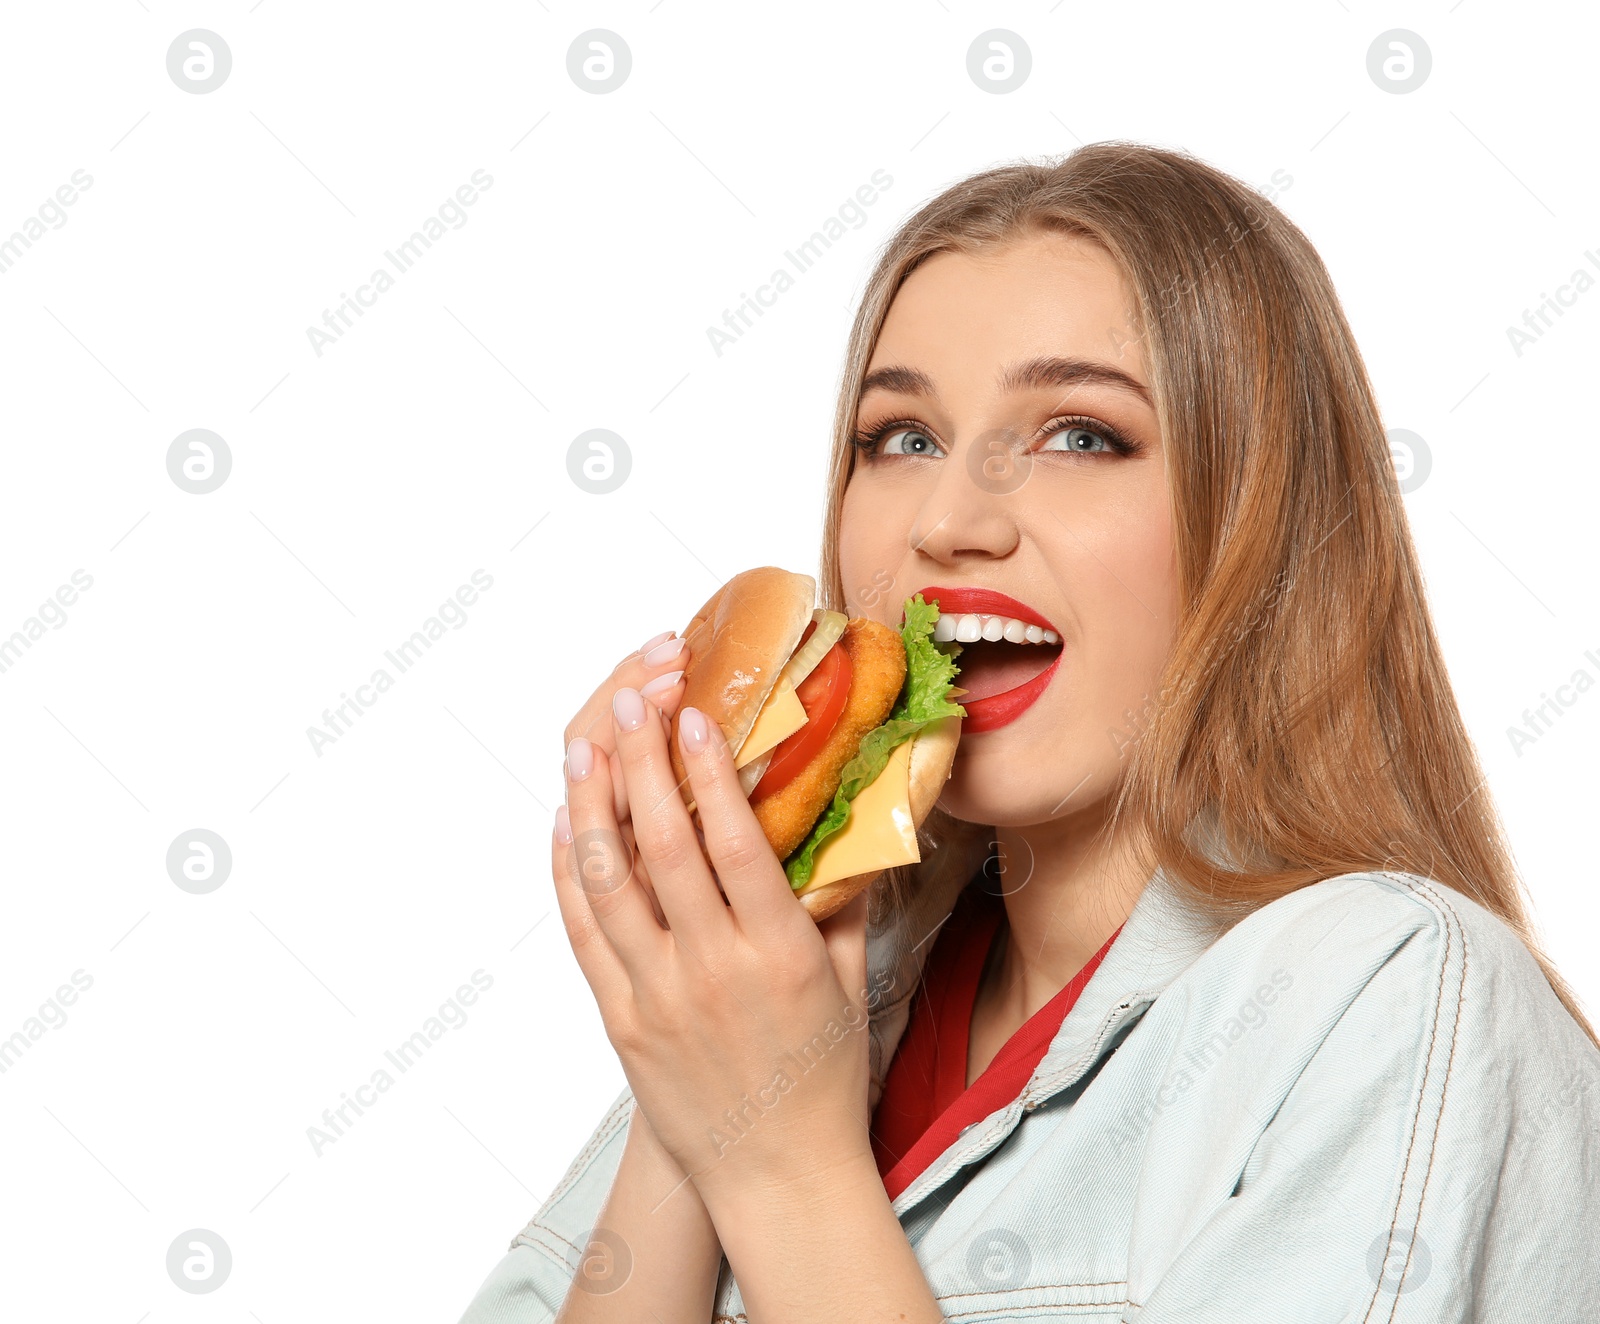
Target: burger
843	731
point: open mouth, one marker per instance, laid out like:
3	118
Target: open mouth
998	653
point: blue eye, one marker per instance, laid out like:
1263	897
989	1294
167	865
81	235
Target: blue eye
910	442
1081	440
1094	439
895	439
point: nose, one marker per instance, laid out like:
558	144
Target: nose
972	508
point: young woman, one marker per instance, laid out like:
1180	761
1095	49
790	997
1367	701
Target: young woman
1214	997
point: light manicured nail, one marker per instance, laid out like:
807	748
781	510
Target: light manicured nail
629	708
664	652
692	731
654	689
651	642
563	826
580	759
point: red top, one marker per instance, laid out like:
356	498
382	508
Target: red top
926	1100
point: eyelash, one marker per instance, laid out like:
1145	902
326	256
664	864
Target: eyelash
867	440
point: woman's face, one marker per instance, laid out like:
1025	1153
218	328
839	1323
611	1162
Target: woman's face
1007	443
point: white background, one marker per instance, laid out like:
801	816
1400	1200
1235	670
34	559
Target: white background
369	482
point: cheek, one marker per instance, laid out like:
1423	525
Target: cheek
1149	566
1126	601
872	544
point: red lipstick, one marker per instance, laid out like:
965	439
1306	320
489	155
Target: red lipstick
995	710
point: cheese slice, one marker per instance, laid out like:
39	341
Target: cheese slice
780	717
880	831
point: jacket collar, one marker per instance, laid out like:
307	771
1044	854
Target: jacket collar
1164	934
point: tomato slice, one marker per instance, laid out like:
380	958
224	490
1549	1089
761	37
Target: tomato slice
822	694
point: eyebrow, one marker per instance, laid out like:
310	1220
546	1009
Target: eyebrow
1040	372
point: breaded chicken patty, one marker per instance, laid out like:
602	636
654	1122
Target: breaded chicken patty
877	673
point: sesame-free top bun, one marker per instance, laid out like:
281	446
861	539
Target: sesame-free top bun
738	644
933	753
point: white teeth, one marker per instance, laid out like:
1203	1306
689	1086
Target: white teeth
969	627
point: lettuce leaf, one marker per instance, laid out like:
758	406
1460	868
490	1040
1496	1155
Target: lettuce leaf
924	698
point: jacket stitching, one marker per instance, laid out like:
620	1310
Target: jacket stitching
1053	1307
603	1133
530	1237
1030	1287
1448	914
1455	1030
580	1165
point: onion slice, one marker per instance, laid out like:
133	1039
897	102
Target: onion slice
753	771
830	629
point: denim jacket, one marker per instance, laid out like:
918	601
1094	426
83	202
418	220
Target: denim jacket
1362	1102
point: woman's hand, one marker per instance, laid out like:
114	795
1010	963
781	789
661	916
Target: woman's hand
655	668
739	1025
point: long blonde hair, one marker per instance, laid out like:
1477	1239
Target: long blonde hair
1305	725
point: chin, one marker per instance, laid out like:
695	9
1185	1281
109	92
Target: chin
1006	781
1009	802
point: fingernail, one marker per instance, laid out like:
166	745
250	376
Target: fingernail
563	826
629	708
580	759
663	652
653	689
692	733
651	642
